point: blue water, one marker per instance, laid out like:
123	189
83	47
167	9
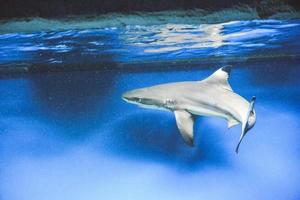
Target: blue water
68	135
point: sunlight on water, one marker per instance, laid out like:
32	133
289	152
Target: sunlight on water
177	37
153	43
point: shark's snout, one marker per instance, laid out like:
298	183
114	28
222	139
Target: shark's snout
131	96
127	96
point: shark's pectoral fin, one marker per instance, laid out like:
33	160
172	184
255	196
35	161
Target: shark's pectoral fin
220	78
185	123
232	122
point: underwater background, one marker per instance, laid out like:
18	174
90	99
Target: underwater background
65	132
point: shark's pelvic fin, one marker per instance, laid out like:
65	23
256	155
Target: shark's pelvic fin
232	122
185	123
220	77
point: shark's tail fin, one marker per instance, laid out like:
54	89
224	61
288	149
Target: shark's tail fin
248	123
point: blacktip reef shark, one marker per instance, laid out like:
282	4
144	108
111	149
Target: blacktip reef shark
212	96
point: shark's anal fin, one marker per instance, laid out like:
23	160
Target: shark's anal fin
185	123
220	77
232	122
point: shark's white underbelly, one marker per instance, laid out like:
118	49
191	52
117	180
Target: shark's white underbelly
203	111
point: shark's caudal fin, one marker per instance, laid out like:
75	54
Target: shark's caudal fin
220	77
185	123
248	123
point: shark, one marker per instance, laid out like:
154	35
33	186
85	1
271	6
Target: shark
212	96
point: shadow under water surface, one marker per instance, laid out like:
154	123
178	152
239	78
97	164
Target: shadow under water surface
154	136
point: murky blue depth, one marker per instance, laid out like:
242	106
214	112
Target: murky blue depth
69	135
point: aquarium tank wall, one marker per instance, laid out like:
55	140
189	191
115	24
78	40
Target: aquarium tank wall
75	123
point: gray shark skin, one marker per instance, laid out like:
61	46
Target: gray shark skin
212	96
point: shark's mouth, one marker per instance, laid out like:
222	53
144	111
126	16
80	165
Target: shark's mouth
132	99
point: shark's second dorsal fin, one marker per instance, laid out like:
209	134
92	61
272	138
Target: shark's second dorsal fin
220	77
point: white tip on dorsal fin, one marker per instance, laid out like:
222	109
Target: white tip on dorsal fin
220	77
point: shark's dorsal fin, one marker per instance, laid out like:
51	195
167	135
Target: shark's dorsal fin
185	124
220	77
